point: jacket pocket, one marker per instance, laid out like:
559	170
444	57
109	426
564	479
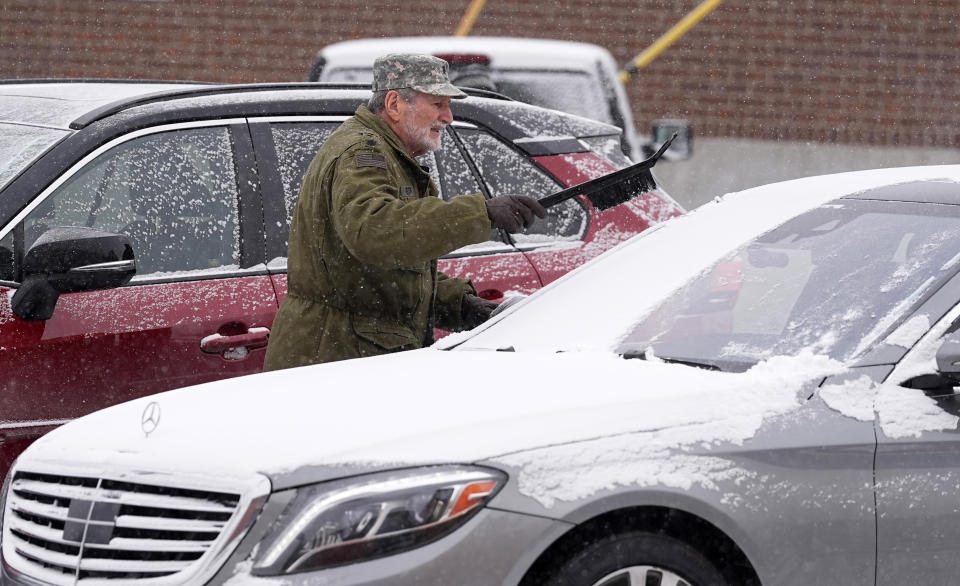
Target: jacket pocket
386	335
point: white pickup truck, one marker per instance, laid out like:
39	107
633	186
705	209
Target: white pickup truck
579	78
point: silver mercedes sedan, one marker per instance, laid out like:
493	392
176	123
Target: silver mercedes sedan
758	392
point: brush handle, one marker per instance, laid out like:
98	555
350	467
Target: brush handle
663	148
560	196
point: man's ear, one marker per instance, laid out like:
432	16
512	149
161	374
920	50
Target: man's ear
391	104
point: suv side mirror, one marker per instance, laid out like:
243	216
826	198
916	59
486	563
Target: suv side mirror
682	147
948	358
69	260
316	68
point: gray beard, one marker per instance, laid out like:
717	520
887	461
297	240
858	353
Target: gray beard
420	137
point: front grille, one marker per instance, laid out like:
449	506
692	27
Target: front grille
71	529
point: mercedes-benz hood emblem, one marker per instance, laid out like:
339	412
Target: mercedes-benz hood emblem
150	418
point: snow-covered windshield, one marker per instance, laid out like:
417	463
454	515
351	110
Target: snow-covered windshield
833	280
20	145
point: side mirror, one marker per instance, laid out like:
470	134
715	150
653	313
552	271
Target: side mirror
69	260
682	147
316	68
948	357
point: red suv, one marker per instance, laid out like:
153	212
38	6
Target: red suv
143	227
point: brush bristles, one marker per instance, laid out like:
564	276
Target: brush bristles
618	193
612	190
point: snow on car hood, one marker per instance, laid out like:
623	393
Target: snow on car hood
419	407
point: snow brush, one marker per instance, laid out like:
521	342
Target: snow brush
614	188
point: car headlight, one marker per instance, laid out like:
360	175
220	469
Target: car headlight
364	517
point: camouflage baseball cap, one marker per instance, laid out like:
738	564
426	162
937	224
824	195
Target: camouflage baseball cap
420	72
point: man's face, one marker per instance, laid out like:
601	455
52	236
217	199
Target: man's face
422	122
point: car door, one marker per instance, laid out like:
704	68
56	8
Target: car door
285	148
918	462
199	307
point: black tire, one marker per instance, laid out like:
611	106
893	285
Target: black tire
662	560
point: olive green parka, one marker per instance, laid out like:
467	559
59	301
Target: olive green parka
366	232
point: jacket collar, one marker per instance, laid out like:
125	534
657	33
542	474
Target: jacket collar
378	125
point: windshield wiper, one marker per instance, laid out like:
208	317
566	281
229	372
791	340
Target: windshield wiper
642	355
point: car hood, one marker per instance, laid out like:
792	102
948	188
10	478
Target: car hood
421	407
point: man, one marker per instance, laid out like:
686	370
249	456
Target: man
368	228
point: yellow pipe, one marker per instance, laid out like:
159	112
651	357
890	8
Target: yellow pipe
677	31
469	17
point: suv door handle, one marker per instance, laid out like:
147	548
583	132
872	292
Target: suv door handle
218	344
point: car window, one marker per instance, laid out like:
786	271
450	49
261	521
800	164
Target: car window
455	175
174	193
506	171
296	144
568	91
7	269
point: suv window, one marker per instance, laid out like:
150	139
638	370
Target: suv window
454	176
296	144
7	269
506	172
174	193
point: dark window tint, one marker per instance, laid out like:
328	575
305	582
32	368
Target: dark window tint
506	171
173	193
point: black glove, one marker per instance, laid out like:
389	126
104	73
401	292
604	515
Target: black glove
514	212
475	310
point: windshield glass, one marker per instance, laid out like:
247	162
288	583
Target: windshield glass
833	280
20	145
567	91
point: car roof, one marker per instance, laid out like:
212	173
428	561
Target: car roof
75	104
504	52
78	104
58	103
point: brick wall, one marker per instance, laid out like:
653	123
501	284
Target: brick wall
877	72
